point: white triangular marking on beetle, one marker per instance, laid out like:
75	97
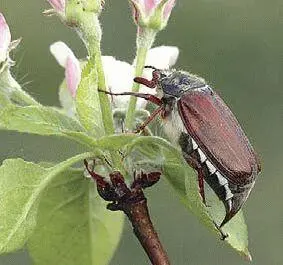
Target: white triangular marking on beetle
210	167
202	156
229	201
195	146
221	180
224	182
228	192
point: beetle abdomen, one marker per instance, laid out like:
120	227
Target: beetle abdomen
232	195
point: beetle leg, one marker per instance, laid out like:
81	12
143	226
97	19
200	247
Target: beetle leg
149	119
193	162
201	185
153	99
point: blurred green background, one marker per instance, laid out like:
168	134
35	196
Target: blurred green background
238	47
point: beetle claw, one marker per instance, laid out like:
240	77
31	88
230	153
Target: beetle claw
223	234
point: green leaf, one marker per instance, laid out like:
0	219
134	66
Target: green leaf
37	120
116	141
18	182
19	112
110	142
87	102
236	227
74	226
82	138
4	100
11	91
21	186
183	179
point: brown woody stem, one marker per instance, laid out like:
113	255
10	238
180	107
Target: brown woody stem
138	215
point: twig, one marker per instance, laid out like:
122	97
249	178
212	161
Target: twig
134	204
138	215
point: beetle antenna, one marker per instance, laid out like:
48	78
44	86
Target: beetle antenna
151	67
149	83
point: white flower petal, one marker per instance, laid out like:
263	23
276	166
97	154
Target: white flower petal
162	57
119	77
61	52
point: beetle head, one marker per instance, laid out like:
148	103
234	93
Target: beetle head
175	83
171	83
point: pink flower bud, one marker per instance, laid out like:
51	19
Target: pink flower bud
58	5
5	39
152	13
168	9
73	74
66	58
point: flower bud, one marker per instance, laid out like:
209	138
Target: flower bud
152	14
66	58
59	8
58	5
5	39
70	11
